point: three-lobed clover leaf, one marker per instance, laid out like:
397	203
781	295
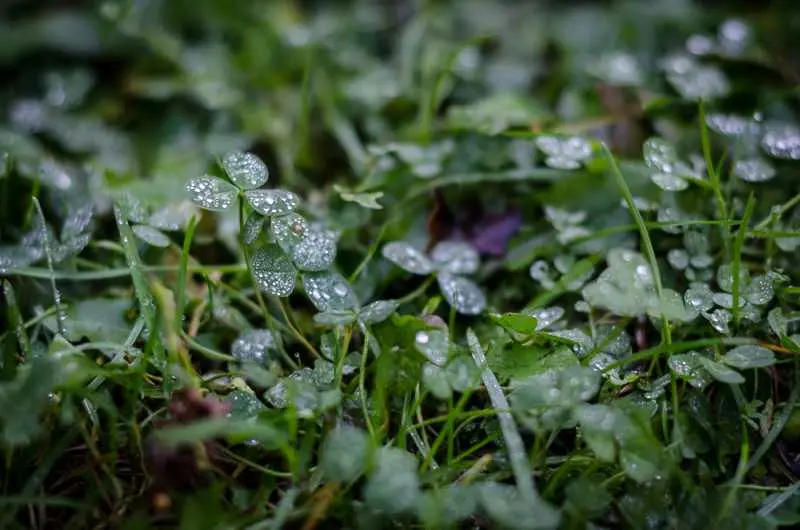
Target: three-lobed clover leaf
247	174
449	260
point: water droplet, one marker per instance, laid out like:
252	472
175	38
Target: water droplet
245	170
316	251
211	193
407	257
433	344
678	258
272	202
462	294
254	346
546	317
720	319
273	271
455	257
753	170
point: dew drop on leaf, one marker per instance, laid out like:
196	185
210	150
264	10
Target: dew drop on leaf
377	311
254	346
407	257
433	344
753	170
288	230
720	320
546	316
660	155
455	257
132	208
760	291
245	170
272	202
329	291
782	141
699	298
462	294
273	271
316	251
678	258
211	193
669	182
151	235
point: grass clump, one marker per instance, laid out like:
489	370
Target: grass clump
434	264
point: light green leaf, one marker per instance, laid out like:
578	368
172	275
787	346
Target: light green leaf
272	202
245	170
211	193
749	356
393	487
329	291
365	199
346	454
151	235
462	294
407	258
273	271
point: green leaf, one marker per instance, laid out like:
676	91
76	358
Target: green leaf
151	235
288	230
245	170
377	311
393	487
252	228
365	199
98	319
720	372
447	506
329	291
516	323
346	454
639	467
335	318
504	505
749	356
272	202
407	258
435	380
434	344
273	271
455	257
257	346
315	252
599	424
211	193
462	294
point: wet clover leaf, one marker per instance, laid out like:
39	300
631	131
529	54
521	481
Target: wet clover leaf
394	486
345	455
273	271
288	230
672	173
373	313
245	170
455	257
749	356
329	291
212	193
434	344
408	258
564	153
449	259
314	252
272	202
255	346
